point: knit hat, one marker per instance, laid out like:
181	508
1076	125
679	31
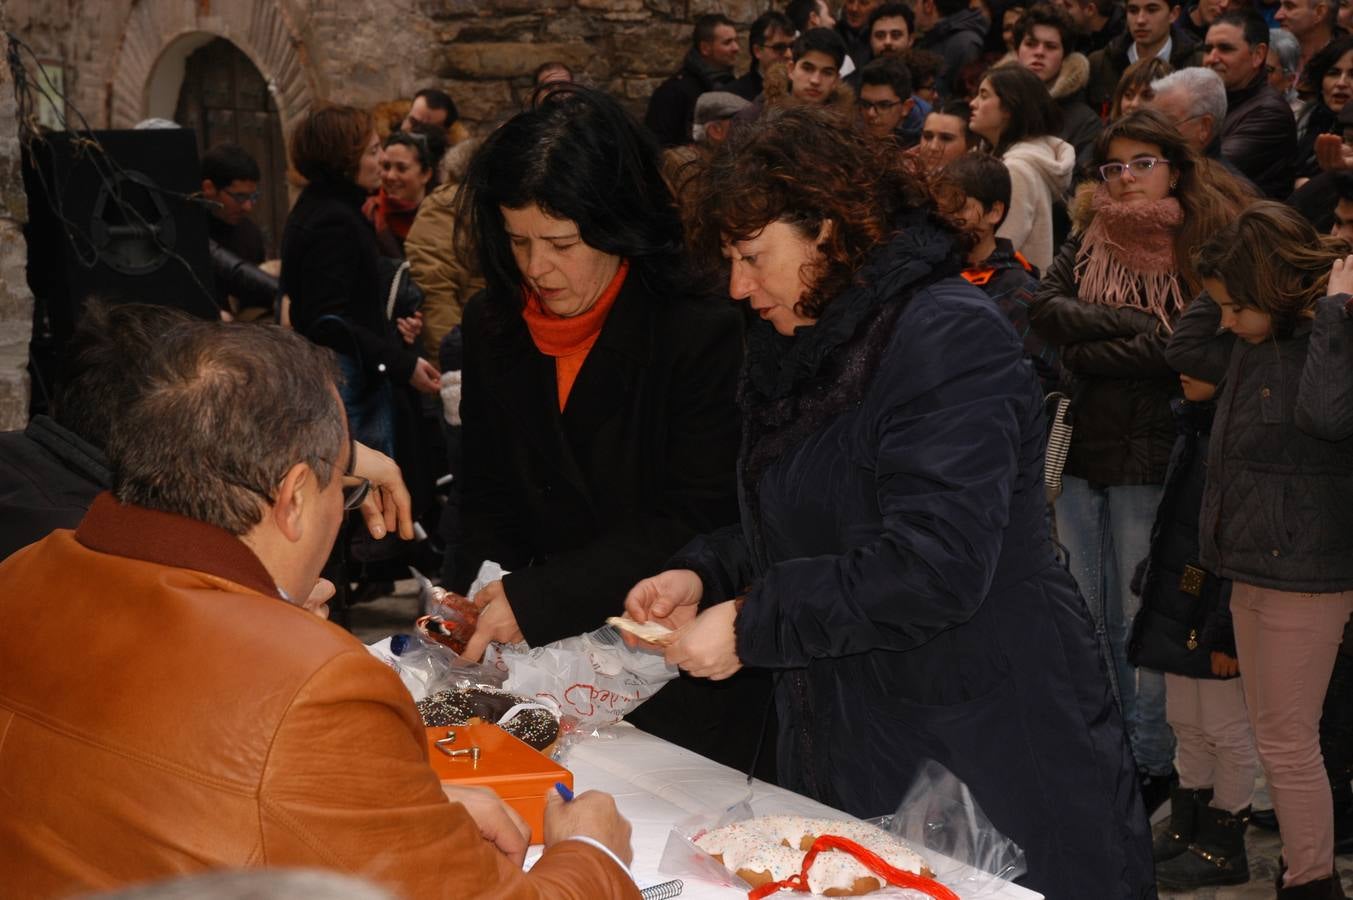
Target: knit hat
714	106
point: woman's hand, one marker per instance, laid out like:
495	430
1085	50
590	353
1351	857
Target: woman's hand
426	378
1224	666
387	506
1332	154
707	647
497	622
1341	277
410	327
669	597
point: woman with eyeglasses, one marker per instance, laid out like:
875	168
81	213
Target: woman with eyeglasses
331	270
1109	303
1018	119
409	162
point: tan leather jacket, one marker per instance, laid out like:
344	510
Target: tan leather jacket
163	711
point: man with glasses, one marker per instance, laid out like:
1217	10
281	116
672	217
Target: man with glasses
885	101
770	40
1194	101
230	187
207	720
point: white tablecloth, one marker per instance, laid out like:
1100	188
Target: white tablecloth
657	784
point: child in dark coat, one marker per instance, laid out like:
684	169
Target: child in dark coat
1184	630
1004	275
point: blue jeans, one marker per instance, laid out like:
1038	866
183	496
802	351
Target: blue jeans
1107	532
369	405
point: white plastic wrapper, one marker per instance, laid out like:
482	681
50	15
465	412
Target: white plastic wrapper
593	678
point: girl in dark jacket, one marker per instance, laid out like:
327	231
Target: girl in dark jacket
893	564
1277	514
331	271
599	421
1184	631
1108	303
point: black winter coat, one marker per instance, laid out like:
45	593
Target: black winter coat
331	270
671	108
902	577
48	477
1123	430
578	506
1259	136
958	39
1278	509
1186	613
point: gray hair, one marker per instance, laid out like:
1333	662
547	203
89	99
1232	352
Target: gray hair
1285	46
1203	87
226	411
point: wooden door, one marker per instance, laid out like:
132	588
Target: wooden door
225	99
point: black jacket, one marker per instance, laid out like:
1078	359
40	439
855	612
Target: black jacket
331	270
671	109
1259	136
856	41
48	477
1108	63
958	39
580	505
1012	282
1123	430
1278	508
1185	614
903	581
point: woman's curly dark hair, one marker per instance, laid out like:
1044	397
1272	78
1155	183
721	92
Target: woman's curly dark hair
799	166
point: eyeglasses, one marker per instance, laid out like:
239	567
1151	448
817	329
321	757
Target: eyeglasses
877	105
1139	166
355	491
242	198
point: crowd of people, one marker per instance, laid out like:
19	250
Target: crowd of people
769	366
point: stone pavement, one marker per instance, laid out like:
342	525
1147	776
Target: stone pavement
395	613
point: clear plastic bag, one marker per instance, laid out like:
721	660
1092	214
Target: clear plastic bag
938	818
941	820
593	678
426	667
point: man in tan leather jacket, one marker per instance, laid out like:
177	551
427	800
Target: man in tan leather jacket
164	709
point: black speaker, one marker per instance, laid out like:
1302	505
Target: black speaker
109	216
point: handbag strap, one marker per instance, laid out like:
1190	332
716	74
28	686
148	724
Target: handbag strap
394	290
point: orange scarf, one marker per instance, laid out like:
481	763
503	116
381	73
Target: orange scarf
570	339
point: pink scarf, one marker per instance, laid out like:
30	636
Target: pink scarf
1126	259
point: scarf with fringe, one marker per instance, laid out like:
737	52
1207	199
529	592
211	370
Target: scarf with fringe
1126	259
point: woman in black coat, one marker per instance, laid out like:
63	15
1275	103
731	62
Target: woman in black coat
599	423
893	565
331	271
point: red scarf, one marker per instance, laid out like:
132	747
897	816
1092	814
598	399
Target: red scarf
389	214
568	339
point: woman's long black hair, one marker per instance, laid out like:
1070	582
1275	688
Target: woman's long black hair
576	154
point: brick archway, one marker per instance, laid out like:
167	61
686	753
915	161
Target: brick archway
160	32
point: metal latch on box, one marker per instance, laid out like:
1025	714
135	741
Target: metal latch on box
444	745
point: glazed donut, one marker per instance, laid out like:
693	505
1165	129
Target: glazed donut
533	724
772	848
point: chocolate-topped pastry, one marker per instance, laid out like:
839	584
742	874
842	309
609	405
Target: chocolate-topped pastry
537	727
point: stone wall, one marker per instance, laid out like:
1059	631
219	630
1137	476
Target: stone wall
487	51
16	302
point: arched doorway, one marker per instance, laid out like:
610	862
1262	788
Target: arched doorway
225	99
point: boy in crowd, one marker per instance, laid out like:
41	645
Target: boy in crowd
993	264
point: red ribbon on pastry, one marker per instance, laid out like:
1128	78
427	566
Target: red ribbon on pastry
872	861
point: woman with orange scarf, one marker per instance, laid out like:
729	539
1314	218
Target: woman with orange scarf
600	428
